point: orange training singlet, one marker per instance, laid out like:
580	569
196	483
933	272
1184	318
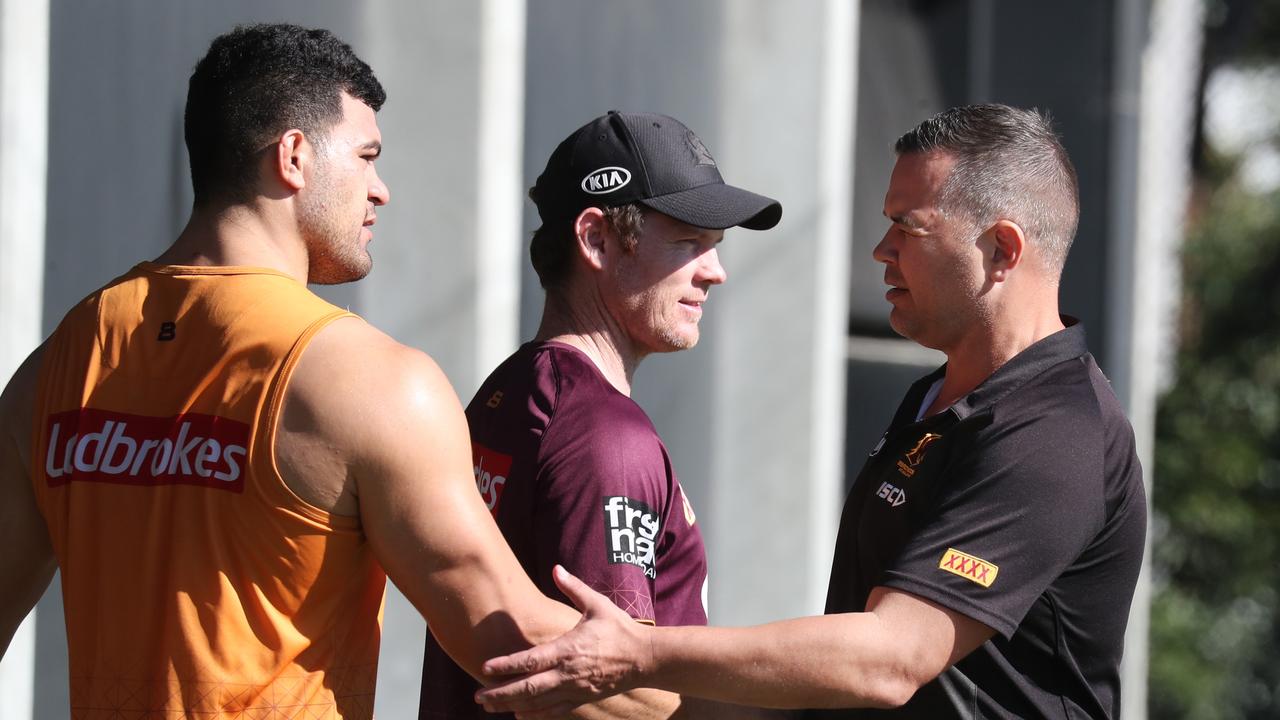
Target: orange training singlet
195	583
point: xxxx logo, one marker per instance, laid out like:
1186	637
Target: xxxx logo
969	567
915	456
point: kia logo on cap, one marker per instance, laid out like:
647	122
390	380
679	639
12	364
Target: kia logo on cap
606	180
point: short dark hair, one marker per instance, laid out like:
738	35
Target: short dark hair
1009	164
551	250
256	82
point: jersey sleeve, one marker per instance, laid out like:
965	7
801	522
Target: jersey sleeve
1010	513
601	499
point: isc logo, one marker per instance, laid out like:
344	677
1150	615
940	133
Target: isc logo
492	469
606	180
892	494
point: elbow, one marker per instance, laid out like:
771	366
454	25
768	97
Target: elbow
892	686
891	691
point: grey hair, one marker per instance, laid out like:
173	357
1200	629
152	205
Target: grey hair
1010	165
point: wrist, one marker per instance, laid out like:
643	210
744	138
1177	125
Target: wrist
650	657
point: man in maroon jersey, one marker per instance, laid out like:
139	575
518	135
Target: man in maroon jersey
632	207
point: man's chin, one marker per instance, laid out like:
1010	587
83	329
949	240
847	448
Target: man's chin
340	273
901	324
676	343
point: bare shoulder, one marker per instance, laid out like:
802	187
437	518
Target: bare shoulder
17	409
356	397
362	378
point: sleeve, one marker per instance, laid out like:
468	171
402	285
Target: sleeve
1010	514
600	499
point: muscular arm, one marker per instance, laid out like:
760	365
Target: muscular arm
387	414
877	658
27	563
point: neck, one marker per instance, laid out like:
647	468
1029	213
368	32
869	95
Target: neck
589	328
977	355
254	234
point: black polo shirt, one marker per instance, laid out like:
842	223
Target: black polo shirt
1021	507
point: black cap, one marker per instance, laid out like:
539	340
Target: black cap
650	159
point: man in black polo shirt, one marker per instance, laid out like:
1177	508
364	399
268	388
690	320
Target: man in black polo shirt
989	548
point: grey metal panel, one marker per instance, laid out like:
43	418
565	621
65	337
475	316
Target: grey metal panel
912	64
423	286
1054	56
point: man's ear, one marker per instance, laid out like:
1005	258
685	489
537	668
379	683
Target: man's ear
294	156
590	228
1009	244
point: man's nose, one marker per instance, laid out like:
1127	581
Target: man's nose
379	193
712	270
883	251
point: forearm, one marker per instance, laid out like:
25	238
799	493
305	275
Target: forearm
646	704
25	575
830	661
640	704
874	659
480	609
27	563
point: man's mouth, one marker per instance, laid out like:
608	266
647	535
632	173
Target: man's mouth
693	305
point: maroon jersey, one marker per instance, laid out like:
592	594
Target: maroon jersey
574	473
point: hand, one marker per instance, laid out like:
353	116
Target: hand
603	655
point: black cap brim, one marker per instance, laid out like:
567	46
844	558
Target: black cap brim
717	206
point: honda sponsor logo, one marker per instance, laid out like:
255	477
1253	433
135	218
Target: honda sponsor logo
89	445
492	469
631	533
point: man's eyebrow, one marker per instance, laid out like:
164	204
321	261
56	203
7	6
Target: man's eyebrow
906	220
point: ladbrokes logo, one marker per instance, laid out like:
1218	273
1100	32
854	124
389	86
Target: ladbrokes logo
968	567
89	445
630	533
492	469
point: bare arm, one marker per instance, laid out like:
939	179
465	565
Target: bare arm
389	416
877	658
27	563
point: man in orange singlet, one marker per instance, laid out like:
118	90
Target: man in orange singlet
225	467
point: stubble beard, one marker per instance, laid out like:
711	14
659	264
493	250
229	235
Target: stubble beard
673	341
334	252
674	334
943	327
334	262
662	331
